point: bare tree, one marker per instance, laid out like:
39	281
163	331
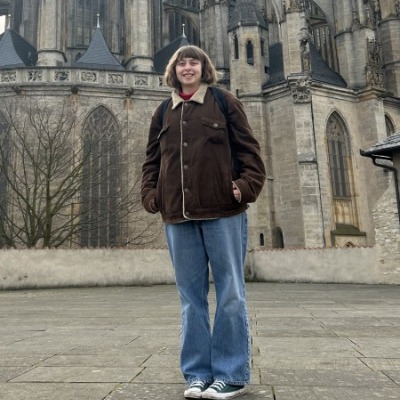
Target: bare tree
61	186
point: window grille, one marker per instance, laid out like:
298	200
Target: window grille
101	174
338	150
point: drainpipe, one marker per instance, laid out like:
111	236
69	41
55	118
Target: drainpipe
375	159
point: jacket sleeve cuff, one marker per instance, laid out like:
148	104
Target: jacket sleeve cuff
240	192
242	185
150	204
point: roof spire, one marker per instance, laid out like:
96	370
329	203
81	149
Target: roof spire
98	20
183	30
9	21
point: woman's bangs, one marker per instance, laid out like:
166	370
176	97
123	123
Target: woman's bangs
190	52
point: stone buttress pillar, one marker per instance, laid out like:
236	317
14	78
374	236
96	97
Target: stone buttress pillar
52	35
389	27
139	28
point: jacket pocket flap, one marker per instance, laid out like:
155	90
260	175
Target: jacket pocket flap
213	123
163	130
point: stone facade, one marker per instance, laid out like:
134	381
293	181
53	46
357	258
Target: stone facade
336	83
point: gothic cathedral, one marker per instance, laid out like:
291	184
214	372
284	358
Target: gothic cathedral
319	79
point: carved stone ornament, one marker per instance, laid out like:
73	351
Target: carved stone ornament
306	60
188	4
117	79
129	92
373	70
300	89
61	76
293	6
210	3
141	80
35	76
8	76
88	76
356	24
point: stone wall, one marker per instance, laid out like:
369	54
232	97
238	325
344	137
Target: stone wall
387	232
20	269
334	265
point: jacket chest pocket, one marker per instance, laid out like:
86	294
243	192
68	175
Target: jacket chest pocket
215	130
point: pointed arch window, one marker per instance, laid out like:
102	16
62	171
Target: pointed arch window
345	218
321	35
250	52
339	153
389	125
101	175
236	47
84	21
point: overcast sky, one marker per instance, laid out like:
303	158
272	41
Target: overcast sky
2	22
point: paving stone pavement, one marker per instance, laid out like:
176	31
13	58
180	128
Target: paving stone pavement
309	342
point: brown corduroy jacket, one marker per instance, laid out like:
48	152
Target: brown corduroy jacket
188	171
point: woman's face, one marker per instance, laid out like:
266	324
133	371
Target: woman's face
188	71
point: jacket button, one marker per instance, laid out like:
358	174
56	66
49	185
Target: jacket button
184	122
185	144
185	167
186	190
215	125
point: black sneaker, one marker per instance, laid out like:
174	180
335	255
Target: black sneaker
222	390
196	389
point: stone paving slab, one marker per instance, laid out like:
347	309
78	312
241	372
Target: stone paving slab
308	363
336	393
309	342
393	375
22	360
8	373
328	378
382	364
52	391
95	360
78	374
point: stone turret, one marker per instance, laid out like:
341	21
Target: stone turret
214	35
248	39
295	38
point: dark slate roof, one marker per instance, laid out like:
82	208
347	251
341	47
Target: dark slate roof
98	55
162	57
386	147
320	70
15	51
275	71
246	13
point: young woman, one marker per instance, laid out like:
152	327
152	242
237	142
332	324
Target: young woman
188	176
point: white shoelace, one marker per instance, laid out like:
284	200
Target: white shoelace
197	384
218	385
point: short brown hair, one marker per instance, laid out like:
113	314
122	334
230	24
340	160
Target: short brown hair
208	74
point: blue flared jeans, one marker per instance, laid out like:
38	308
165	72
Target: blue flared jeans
222	352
